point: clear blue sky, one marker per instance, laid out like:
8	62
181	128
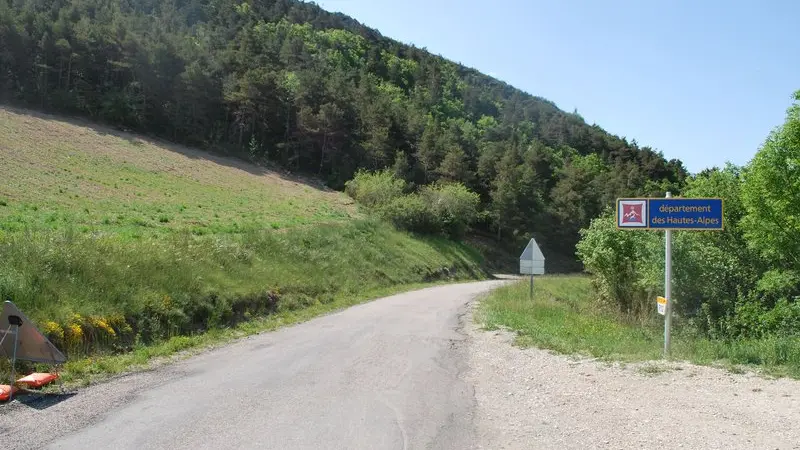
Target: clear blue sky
703	81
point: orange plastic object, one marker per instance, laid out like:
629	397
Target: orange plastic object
5	392
36	380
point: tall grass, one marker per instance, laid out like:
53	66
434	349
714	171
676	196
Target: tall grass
565	316
95	293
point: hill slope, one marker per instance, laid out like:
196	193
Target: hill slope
77	174
316	92
109	240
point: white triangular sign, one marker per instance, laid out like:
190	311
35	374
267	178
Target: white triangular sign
531	262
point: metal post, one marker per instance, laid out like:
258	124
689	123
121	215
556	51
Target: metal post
667	287
13	364
531	294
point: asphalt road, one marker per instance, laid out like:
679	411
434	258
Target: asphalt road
381	375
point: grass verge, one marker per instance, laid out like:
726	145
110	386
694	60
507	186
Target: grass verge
565	317
121	305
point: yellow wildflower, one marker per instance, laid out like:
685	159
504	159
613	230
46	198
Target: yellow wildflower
74	335
100	324
54	329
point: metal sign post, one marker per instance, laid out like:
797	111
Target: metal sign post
669	214
667	287
530	295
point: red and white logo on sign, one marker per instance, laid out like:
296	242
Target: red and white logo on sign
632	213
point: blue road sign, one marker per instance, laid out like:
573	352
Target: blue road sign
670	213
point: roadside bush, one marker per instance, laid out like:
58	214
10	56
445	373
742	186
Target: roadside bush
705	281
375	189
624	264
411	212
715	270
628	269
771	308
778	285
448	208
752	320
453	205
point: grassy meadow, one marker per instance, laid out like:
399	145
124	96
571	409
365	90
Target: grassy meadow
565	316
112	242
59	175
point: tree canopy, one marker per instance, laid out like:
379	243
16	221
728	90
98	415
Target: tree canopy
772	190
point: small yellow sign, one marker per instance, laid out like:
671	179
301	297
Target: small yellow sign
662	305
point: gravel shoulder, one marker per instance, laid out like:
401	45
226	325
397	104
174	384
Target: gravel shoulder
531	398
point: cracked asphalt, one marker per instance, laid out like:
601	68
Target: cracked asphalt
381	375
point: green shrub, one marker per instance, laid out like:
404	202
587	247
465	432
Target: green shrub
753	320
783	319
715	274
771	308
453	205
447	208
375	190
624	264
410	212
778	285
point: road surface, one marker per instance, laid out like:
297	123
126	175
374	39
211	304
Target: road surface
381	375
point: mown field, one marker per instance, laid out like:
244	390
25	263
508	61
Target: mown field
111	242
565	316
59	175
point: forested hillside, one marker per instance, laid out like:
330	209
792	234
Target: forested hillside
286	82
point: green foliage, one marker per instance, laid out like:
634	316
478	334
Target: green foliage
622	265
445	207
411	212
375	189
771	193
453	206
754	321
778	285
710	270
771	308
716	268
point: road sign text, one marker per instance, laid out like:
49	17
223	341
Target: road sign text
670	213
